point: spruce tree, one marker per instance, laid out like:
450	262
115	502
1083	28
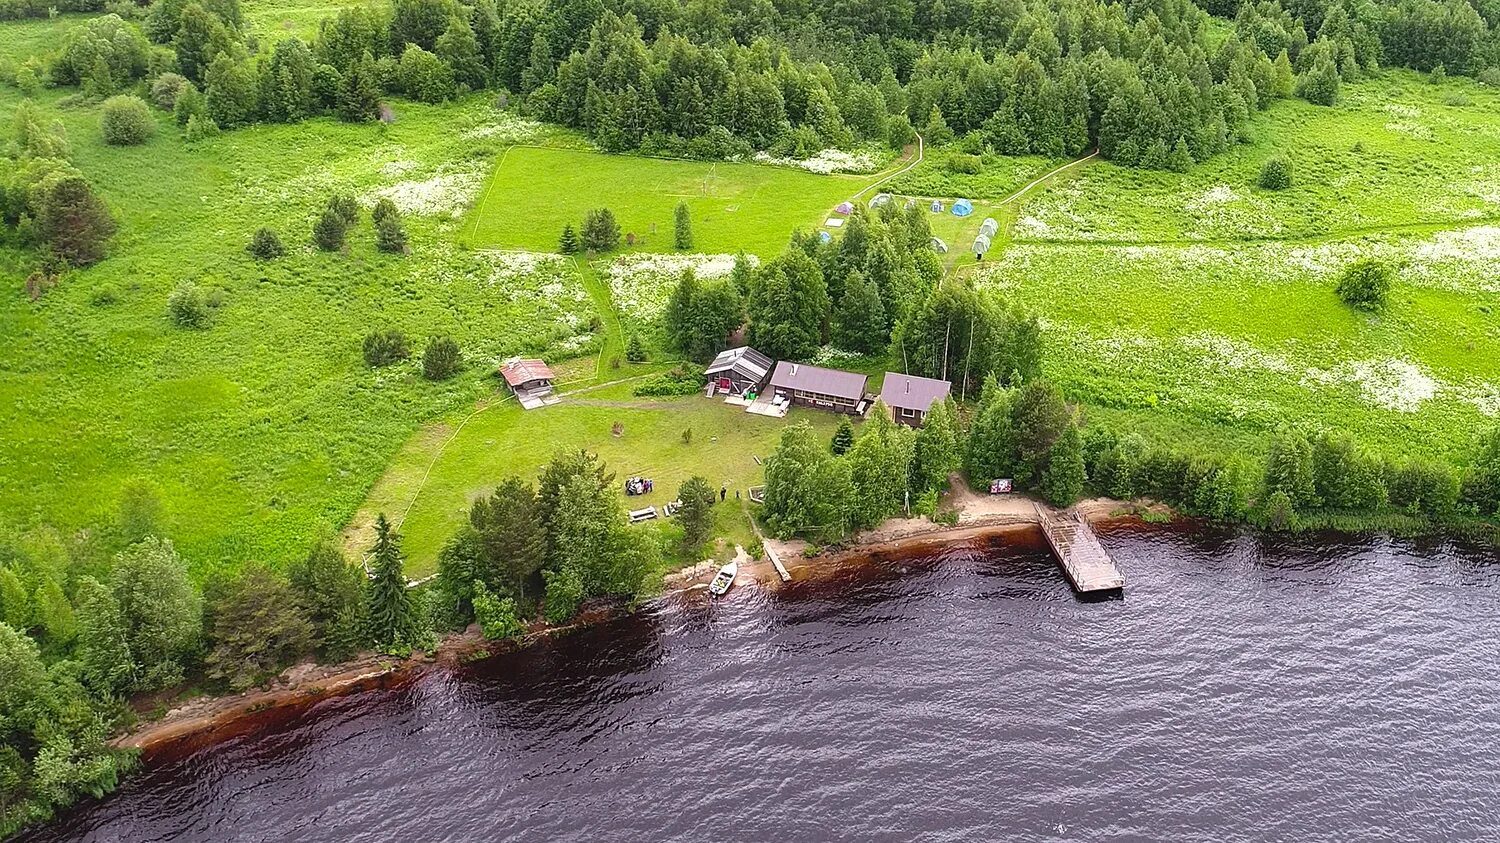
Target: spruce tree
635	351
389	235
1063	478
359	92
600	231
391	614
843	437
568	243
265	245
682	237
330	230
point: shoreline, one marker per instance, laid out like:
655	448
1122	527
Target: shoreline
203	721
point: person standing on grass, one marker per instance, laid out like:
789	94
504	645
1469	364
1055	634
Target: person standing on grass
723	493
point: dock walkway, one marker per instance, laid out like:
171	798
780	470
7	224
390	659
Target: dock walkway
1086	562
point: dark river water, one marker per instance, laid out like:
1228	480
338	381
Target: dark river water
1311	689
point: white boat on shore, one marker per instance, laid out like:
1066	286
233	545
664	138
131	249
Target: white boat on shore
724	579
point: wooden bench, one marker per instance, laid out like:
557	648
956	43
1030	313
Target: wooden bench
639	515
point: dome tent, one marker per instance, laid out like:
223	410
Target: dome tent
937	206
981	244
880	200
939	246
963	208
989	227
844	208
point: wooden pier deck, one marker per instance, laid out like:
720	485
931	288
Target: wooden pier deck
1085	561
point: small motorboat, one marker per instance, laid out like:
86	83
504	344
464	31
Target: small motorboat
724	579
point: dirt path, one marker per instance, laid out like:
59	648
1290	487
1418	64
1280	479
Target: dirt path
921	153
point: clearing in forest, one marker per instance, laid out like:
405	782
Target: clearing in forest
534	192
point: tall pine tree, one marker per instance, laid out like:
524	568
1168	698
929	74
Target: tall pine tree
391	614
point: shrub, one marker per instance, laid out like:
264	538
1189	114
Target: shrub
679	381
1278	513
200	127
165	88
187	306
1276	173
329	231
27	80
497	616
74	222
1366	284
265	245
424	77
958	162
441	360
383	348
105	296
600	231
126	121
188	103
1456	100
1490	76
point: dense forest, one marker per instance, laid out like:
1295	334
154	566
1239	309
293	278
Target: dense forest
1159	84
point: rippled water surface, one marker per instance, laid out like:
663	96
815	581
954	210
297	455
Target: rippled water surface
1313	690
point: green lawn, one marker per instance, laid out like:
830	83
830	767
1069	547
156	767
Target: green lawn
534	192
506	440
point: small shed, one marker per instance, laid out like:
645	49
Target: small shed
989	228
844	208
737	371
937	206
981	244
939	246
530	379
880	200
963	208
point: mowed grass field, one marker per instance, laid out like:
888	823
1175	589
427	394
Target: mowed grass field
473	456
534	192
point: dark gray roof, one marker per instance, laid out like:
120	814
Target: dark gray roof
817	379
745	360
910	392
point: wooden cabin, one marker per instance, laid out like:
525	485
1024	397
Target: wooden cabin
737	371
826	389
910	397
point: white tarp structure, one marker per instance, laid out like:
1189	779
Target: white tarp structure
989	227
939	246
981	244
880	200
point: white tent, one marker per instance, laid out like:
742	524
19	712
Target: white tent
880	200
939	246
981	244
989	227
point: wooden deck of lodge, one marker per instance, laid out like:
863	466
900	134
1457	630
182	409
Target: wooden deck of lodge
1085	561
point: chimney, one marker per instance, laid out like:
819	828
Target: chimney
794	370
908	387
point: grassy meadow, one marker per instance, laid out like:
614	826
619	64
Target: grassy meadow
1167	321
266	428
534	192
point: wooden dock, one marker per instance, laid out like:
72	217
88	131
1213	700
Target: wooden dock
1086	562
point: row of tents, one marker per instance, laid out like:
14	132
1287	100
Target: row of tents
961	208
